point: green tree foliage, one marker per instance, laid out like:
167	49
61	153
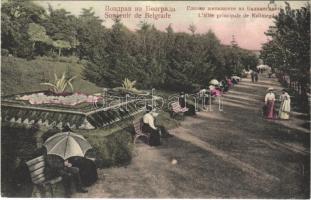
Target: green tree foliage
37	33
91	37
192	28
288	50
154	58
248	59
15	19
61	44
62	26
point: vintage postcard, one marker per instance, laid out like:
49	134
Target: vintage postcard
155	99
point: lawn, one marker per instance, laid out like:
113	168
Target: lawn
20	75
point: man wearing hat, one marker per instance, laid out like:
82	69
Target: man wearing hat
269	104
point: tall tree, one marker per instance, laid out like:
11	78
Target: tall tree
91	36
15	19
37	33
62	26
289	47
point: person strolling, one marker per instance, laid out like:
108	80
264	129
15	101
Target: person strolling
285	105
253	76
269	104
256	76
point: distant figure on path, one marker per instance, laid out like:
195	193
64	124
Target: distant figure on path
269	104
256	76
285	105
229	82
253	76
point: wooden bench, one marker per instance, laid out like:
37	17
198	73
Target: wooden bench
138	124
178	110
36	168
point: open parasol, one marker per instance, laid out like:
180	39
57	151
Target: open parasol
214	82
236	77
263	67
67	144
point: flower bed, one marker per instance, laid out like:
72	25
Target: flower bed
63	99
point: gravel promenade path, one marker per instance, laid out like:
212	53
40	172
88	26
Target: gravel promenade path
230	154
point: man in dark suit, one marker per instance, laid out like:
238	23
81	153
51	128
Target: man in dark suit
57	167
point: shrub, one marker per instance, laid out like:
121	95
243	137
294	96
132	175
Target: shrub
69	59
164	119
4	52
113	149
124	91
18	145
55	58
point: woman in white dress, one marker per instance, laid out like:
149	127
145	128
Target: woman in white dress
285	105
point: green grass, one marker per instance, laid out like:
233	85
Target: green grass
20	75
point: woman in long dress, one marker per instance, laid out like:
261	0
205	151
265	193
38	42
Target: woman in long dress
285	105
149	127
269	103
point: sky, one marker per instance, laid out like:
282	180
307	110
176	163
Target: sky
247	30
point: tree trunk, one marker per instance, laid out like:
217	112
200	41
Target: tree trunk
295	86
59	52
304	96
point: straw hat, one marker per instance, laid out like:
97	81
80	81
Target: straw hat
270	89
